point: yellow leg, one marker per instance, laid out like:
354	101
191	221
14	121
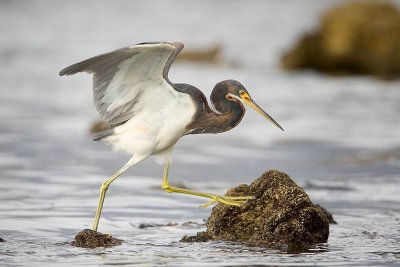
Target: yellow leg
103	190
233	201
106	184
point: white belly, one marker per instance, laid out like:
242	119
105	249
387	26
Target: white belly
151	132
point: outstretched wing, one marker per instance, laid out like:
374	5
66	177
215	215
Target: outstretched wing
124	78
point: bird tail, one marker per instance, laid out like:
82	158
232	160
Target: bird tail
99	136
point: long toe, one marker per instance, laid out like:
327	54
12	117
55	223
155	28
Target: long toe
238	198
208	204
227	200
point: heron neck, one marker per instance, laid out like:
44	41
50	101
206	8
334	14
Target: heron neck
210	121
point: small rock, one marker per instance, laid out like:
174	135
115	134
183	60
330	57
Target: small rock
210	54
281	216
2	240
98	126
91	239
146	225
149	225
199	237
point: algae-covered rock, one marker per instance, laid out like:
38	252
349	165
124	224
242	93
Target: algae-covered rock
91	239
280	216
355	38
199	237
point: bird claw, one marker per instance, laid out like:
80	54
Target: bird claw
227	200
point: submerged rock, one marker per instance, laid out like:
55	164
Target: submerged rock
150	225
91	239
98	126
280	216
355	38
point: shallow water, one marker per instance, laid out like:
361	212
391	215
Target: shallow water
341	139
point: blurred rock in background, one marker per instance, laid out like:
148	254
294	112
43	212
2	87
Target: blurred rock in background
355	38
211	54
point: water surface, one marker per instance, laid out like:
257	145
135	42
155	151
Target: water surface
341	139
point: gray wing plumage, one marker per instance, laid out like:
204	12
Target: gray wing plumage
122	77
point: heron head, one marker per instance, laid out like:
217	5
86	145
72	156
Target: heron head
237	92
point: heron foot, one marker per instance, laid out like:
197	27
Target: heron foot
227	200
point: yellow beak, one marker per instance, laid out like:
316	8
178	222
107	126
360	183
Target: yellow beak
247	99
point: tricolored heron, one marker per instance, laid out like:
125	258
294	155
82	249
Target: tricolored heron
146	113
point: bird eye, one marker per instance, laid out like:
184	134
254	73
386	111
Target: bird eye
241	92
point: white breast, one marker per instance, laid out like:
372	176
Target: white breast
154	130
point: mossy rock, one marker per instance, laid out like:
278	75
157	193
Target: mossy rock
91	239
354	38
280	216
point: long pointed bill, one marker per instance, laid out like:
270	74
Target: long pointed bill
246	99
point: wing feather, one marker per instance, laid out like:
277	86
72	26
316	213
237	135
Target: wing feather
127	76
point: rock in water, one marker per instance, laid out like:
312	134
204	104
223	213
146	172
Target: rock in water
354	38
210	54
280	216
91	239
